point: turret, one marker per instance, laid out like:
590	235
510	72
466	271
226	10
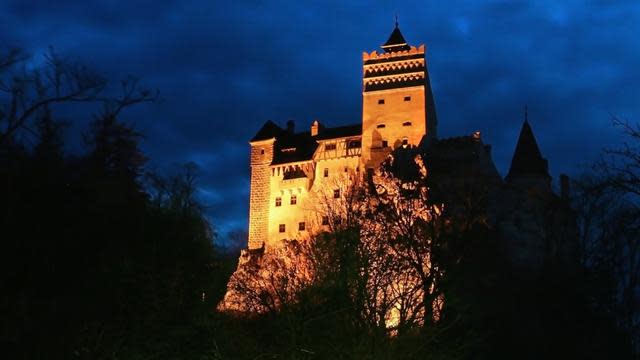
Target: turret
260	158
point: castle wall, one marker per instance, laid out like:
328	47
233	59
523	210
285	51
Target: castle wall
314	198
392	121
287	214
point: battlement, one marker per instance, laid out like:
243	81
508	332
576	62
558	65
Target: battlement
393	56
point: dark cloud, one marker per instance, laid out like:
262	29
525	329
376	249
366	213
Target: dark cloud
223	68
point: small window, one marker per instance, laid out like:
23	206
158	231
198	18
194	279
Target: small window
278	201
336	193
354	144
381	126
329	146
405	141
301	226
326	172
294	200
385	143
281	228
346	169
407	98
380	101
262	152
406	123
325	220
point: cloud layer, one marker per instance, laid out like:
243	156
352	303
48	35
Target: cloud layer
223	68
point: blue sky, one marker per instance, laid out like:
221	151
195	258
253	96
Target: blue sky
223	68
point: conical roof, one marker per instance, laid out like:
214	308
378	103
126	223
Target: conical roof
527	158
267	131
396	41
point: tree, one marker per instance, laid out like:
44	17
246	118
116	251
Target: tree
95	263
27	91
608	206
377	261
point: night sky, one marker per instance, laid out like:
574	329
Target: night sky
224	68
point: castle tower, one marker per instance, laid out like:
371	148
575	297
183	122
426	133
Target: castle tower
397	103
528	168
262	149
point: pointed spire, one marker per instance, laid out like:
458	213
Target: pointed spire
396	41
527	158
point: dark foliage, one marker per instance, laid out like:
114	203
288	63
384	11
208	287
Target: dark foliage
94	264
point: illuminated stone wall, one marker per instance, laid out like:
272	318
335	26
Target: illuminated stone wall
314	194
260	193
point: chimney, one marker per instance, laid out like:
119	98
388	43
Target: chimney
564	187
290	127
315	128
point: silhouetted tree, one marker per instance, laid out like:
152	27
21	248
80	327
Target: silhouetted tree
59	80
608	205
94	264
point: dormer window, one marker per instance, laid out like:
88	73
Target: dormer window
380	101
381	126
406	123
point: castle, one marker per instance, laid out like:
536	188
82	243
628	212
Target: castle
288	168
293	172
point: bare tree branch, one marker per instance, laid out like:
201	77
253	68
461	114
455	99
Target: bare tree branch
59	80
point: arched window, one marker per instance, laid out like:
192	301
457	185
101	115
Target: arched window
406	123
380	126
